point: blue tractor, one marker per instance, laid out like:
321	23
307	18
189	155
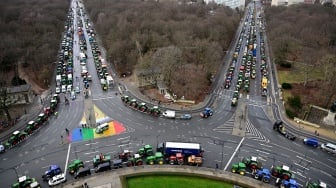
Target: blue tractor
51	172
263	175
290	183
207	112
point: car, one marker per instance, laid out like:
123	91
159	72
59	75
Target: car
101	128
290	136
77	90
186	116
329	148
2	148
58	179
311	142
58	90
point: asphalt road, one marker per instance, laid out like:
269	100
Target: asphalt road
45	147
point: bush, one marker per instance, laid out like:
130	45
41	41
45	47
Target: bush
286	85
295	102
285	64
290	113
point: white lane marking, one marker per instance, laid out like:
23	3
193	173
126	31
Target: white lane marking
124	138
301	166
263	152
91	143
265	145
303	159
234	153
67	159
90	152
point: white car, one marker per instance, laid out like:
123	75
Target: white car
58	90
69	88
64	89
2	148
60	178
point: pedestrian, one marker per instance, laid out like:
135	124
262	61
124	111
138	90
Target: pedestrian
315	132
56	113
67	131
216	166
80	131
62	138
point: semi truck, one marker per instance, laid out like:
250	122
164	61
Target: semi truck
171	149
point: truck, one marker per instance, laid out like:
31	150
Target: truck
110	81
69	79
264	83
169	114
170	149
58	80
195	161
103	84
279	126
207	112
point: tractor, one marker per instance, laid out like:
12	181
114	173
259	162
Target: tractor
25	181
142	107
125	99
263	175
315	184
289	183
53	105
281	173
145	151
133	103
253	163
125	155
195	161
98	159
41	118
136	160
178	158
15	138
207	112
239	168
155	159
155	111
56	97
51	172
31	127
278	126
75	165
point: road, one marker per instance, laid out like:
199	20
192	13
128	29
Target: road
253	119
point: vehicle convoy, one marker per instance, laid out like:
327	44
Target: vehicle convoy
178	152
75	165
279	126
15	138
207	112
315	184
98	159
154	111
26	182
263	175
169	114
51	172
239	168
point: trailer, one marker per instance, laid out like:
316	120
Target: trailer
170	148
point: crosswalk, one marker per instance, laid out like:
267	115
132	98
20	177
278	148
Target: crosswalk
227	127
254	134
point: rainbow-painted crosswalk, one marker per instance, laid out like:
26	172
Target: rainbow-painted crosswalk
80	133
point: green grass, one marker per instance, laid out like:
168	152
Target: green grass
175	182
297	73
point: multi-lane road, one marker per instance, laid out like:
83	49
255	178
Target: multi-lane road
217	134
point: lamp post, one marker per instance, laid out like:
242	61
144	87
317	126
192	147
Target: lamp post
220	142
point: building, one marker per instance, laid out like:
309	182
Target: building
230	3
290	2
22	94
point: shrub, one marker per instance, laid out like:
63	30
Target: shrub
286	85
295	102
285	64
290	113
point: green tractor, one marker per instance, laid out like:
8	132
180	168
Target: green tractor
75	165
53	104
142	107
16	137
41	118
56	97
98	159
281	173
147	150
125	99
239	168
253	163
315	184
155	111
24	182
135	160
155	159
133	103
31	127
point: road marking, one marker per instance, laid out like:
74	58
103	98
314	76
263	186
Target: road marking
282	154
91	152
299	173
124	138
67	159
266	145
303	159
332	161
91	143
234	153
111	144
301	166
263	152
45	167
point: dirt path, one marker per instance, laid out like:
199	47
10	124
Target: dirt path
25	76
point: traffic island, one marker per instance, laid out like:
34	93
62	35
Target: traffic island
118	178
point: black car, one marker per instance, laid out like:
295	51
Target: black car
290	136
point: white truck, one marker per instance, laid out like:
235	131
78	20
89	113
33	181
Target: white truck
169	114
58	80
110	81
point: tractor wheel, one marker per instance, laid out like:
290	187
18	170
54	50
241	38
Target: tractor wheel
160	162
151	162
233	170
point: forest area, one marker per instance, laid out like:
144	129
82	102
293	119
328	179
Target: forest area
302	40
31	33
186	42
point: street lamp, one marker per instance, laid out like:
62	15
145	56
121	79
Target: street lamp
220	142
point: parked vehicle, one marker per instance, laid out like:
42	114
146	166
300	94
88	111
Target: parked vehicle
75	165
170	150
155	111
101	128
52	171
311	142
315	184
82	172
135	160
103	167
280	127
169	114
2	148
329	148
15	138
186	116
239	168
155	159
252	162
145	151
290	183
25	181
195	161
281	173
263	175
117	163
207	112
58	179
98	159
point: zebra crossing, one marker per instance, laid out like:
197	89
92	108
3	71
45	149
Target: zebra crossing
227	127
253	133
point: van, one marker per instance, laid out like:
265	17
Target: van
311	142
101	128
329	148
103	167
82	172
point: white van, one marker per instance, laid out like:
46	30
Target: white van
101	128
329	148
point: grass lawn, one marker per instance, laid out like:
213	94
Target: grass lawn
297	73
175	182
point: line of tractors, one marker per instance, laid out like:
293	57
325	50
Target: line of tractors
32	126
284	177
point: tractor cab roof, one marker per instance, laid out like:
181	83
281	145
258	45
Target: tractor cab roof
22	179
16	132
322	184
285	167
31	122
253	158
41	115
136	156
